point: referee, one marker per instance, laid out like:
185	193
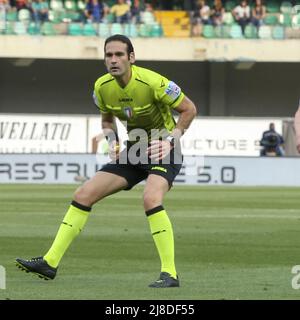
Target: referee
144	100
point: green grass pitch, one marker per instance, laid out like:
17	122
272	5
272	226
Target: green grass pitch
231	243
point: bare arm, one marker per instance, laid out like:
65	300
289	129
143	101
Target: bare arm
187	112
109	124
297	128
110	131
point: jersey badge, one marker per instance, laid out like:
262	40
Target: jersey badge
173	91
128	112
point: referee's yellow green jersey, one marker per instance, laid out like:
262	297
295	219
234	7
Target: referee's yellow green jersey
146	102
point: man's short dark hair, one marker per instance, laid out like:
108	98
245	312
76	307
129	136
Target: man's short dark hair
121	38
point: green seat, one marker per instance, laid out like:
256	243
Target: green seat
12	15
74	29
81	5
9	30
33	29
109	18
272	7
20	28
270	20
47	29
222	31
24	15
144	31
286	7
230	5
250	32
208	32
72	16
71	5
265	32
236	32
147	17
56	5
285	19
156	30
278	33
55	16
89	30
296	21
116	28
130	30
228	18
103	30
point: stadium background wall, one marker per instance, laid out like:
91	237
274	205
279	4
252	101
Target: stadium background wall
267	89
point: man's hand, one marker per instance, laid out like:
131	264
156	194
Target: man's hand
114	150
159	149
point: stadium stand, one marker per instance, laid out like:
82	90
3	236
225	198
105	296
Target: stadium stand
282	21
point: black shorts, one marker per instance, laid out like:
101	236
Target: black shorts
137	172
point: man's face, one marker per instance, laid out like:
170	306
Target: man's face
116	58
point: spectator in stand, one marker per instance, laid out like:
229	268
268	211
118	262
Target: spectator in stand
121	10
258	13
135	11
201	15
95	11
40	10
4	8
241	14
23	4
217	13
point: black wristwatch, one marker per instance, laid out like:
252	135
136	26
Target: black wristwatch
171	140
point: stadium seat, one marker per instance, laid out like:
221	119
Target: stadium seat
250	32
156	30
103	30
33	29
89	30
285	19
144	31
72	16
74	29
130	30
116	28
228	18
109	18
55	16
222	31
278	33
81	5
24	15
230	5
208	32
11	16
9	30
56	5
236	32
272	7
296	21
265	32
47	29
20	28
270	20
71	5
147	17
286	7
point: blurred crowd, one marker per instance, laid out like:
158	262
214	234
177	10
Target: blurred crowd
123	11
